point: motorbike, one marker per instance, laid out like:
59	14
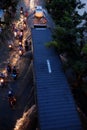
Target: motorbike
15	33
14	73
12	101
24	26
14	76
10	46
20	43
2	80
20	52
21	10
8	69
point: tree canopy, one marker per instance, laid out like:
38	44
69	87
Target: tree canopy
69	32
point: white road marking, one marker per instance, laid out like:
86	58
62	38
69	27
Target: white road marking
49	66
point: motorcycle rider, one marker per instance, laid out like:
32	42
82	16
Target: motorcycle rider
20	50
15	32
21	35
10	94
20	46
2	79
2	75
26	45
11	98
21	10
14	71
8	68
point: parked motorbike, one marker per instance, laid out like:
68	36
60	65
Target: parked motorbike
11	99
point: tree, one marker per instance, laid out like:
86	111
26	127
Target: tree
68	35
84	49
67	20
80	69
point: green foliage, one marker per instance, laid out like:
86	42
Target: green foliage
52	43
84	49
79	67
67	32
67	20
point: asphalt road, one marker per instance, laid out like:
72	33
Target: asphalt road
23	90
22	87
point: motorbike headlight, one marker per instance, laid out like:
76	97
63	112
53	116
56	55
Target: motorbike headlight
2	80
15	34
25	18
10	46
21	11
20	52
20	43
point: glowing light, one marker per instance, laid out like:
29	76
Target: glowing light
1	80
15	34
